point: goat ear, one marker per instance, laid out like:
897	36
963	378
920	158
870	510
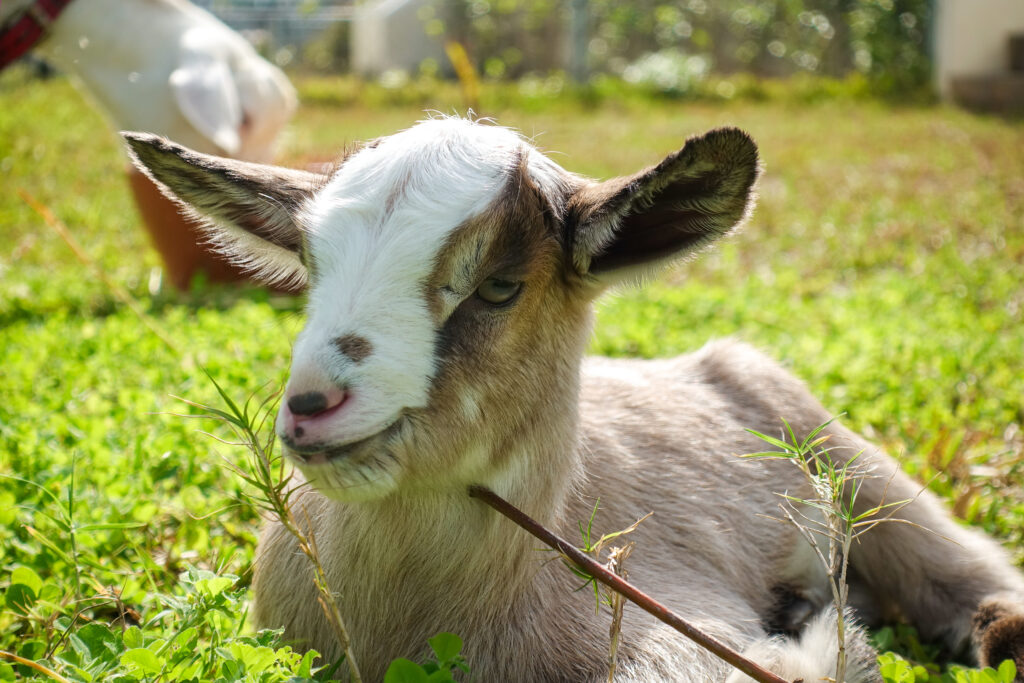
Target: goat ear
249	211
626	227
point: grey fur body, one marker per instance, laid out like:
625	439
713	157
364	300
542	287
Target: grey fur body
664	438
396	404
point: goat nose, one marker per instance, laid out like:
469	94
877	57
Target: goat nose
304	416
312	403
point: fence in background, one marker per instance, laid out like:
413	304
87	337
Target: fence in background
669	45
283	23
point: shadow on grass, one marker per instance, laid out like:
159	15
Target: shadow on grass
102	304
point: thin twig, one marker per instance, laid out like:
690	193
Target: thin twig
616	564
631	592
33	665
276	500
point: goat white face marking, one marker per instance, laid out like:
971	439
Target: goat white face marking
375	232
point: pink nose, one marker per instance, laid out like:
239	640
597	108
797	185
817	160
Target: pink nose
301	411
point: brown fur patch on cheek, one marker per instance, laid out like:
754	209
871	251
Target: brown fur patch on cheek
493	348
485	353
489	366
514	237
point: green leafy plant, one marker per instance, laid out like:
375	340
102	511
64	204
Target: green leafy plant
876	227
593	547
447	660
267	475
835	485
671	47
194	637
273	490
827	517
614	561
896	669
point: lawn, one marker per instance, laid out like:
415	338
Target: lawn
884	265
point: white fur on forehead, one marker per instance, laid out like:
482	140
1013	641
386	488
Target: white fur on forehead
446	162
443	162
374	233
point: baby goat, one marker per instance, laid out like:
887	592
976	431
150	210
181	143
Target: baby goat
451	270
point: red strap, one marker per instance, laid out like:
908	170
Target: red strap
21	33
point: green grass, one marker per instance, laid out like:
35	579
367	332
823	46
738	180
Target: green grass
884	265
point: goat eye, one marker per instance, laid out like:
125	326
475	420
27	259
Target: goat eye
496	291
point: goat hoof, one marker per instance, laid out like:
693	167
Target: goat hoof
999	635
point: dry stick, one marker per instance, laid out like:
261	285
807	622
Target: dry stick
326	597
50	673
616	561
642	600
585	563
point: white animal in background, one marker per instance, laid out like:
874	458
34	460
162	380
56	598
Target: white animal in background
170	67
451	270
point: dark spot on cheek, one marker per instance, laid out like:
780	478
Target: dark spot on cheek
353	346
299	432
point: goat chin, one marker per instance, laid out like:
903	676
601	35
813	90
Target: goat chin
455	268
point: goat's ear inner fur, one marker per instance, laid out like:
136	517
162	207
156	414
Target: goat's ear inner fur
249	211
624	227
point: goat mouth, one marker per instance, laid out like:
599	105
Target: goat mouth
321	454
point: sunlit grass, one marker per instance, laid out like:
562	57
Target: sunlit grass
884	265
